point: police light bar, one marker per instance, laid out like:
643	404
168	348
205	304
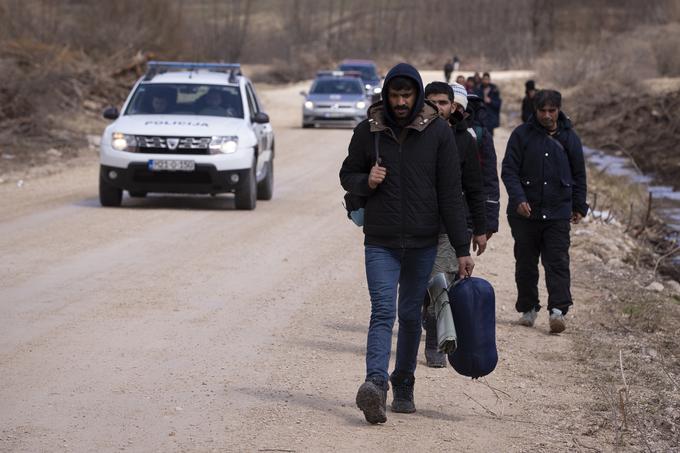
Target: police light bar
159	67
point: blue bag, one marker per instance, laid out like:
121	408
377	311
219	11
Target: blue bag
473	305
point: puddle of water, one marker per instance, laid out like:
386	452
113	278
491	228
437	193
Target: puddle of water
666	201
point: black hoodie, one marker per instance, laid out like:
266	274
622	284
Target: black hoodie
403	70
423	182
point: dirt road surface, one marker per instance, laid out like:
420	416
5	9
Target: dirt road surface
181	324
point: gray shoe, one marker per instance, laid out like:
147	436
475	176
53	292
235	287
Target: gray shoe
557	321
528	318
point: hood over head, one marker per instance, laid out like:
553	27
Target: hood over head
403	70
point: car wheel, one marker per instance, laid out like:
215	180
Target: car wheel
265	188
307	126
108	194
135	194
246	195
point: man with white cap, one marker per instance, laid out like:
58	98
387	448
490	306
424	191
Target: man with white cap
444	98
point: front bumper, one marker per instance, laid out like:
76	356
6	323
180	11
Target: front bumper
205	179
328	117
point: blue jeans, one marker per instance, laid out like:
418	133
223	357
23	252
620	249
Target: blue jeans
386	270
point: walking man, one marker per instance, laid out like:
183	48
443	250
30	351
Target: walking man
491	97
410	188
442	95
544	174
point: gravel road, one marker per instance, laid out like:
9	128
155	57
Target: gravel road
180	324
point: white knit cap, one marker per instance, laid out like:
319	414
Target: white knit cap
459	94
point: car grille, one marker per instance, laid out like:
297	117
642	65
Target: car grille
185	145
337	106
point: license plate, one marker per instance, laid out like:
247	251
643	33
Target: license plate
333	114
172	165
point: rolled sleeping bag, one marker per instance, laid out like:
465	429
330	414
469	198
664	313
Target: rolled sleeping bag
473	305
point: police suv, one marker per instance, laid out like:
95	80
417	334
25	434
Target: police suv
188	128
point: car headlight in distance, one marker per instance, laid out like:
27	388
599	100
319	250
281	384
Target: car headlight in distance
223	144
368	86
377	90
123	142
361	105
309	105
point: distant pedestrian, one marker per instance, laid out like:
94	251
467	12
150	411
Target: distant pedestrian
478	79
545	176
460	80
470	85
413	187
528	101
456	64
448	69
491	97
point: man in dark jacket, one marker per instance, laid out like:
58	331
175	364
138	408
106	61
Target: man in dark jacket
528	101
487	157
491	97
544	174
411	188
441	95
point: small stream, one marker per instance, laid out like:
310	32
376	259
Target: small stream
666	201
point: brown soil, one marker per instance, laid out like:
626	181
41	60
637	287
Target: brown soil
642	122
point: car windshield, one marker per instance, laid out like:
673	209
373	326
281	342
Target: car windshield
337	86
186	99
367	72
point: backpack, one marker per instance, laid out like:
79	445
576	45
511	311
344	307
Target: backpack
474	314
355	204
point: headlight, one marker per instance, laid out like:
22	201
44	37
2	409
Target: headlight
124	142
361	105
309	105
224	145
368	86
377	90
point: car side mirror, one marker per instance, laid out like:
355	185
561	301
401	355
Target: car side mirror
261	118
111	113
303	93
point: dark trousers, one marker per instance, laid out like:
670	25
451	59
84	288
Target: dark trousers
550	241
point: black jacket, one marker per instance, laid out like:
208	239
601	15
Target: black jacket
548	172
527	108
471	174
492	118
423	181
488	162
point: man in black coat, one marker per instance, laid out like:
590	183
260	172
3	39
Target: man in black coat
474	112
491	96
545	176
442	96
528	101
411	187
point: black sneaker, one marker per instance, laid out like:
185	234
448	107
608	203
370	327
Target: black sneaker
402	393
371	399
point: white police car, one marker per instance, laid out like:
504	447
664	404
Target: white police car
188	128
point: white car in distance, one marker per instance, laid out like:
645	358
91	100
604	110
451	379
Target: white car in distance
188	128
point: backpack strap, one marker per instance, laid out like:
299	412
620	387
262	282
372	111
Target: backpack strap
376	146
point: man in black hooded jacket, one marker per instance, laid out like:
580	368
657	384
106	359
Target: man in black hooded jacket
411	187
545	176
